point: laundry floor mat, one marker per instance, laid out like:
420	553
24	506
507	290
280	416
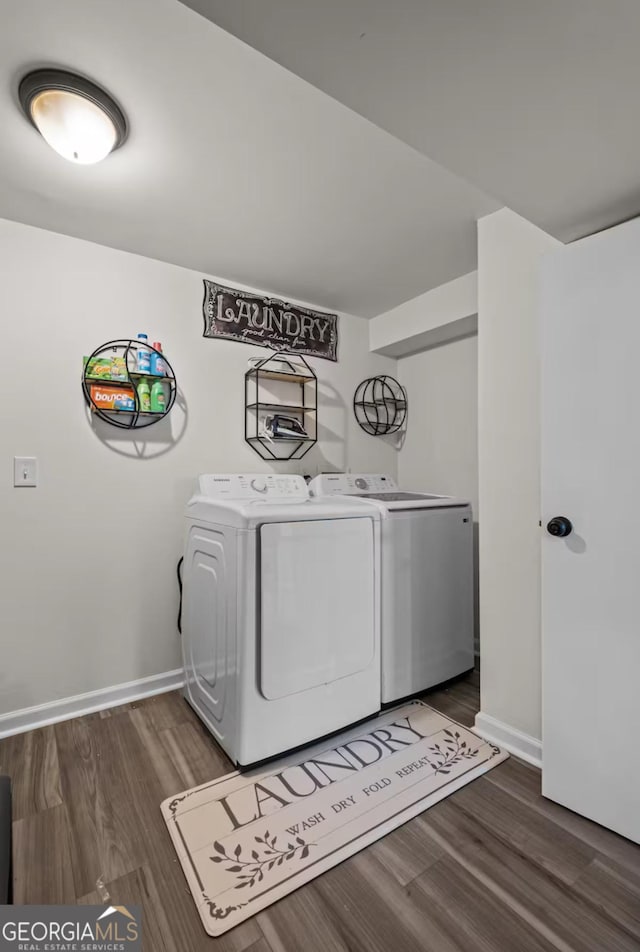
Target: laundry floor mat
247	839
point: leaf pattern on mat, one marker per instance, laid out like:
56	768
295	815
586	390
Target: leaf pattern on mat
452	752
264	858
173	806
221	912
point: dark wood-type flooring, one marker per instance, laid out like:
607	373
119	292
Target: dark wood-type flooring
493	868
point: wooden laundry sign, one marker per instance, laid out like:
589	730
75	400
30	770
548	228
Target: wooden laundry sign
238	315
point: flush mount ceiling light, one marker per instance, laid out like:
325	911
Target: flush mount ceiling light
77	118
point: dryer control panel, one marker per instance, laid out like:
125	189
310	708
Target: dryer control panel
252	486
356	484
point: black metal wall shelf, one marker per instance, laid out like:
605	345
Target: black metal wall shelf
135	418
259	407
290	408
380	405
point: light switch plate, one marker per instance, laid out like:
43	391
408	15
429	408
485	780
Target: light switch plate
25	471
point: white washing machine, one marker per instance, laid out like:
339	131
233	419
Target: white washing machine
281	613
427	581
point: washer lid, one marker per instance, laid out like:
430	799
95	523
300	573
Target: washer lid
397	496
380	490
397	501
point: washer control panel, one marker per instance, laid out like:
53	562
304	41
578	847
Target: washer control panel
253	486
356	484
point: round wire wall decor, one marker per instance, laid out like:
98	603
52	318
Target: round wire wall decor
113	396
380	405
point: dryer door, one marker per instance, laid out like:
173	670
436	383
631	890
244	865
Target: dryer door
317	603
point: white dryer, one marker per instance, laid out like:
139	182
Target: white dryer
427	581
281	613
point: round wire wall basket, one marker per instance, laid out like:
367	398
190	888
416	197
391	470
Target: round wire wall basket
113	396
380	405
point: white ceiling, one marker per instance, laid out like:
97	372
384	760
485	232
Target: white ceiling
234	166
533	100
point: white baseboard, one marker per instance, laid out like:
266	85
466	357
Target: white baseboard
516	742
28	718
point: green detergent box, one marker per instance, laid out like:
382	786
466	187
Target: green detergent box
105	368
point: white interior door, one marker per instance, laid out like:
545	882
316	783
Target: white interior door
590	300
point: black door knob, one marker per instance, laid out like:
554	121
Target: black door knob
559	526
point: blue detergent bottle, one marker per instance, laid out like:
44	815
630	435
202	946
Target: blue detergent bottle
143	358
157	363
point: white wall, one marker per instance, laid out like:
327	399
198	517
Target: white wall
440	451
444	313
88	595
509	251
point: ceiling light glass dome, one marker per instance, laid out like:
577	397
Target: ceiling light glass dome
77	118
